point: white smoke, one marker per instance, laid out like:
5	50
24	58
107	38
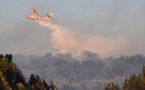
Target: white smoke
66	40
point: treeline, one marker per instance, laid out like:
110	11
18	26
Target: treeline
70	74
11	78
82	73
135	82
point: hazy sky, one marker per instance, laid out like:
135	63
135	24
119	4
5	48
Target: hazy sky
118	24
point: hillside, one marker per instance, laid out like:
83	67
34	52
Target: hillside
89	72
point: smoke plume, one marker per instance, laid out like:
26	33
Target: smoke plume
65	40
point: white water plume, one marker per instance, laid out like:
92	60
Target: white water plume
66	40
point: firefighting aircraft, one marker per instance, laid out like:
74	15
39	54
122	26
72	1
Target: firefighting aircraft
35	16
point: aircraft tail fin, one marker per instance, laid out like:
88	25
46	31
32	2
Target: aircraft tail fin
50	15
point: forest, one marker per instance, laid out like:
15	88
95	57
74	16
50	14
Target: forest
90	72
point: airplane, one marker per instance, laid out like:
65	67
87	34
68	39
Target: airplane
35	16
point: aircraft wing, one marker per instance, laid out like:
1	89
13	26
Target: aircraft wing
48	18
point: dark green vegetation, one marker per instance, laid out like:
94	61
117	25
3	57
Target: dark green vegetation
11	78
133	83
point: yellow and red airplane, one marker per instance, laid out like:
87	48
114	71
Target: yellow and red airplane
35	16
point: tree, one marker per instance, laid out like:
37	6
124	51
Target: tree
11	78
111	86
133	83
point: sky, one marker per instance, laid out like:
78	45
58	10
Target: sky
106	27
